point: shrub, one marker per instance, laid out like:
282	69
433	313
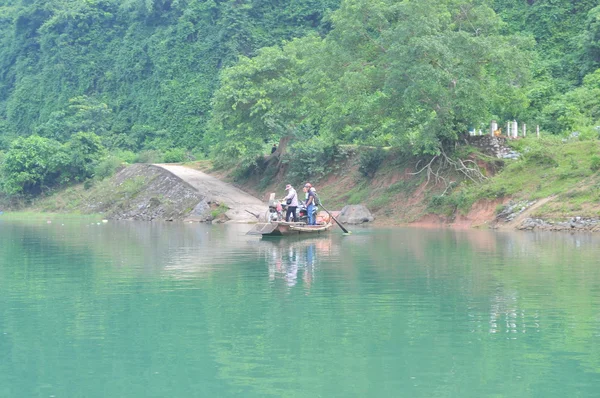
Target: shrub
107	167
437	201
175	155
493	192
449	204
88	184
380	202
540	158
149	156
370	160
399	186
595	163
219	211
125	156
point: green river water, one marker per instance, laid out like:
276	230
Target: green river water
127	309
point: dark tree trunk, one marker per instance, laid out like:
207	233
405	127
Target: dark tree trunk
282	147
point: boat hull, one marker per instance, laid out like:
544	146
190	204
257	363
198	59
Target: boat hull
283	228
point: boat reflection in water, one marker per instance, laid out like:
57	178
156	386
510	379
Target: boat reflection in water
292	260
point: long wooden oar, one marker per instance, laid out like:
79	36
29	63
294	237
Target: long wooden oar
331	215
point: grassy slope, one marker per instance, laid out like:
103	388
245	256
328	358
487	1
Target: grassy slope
551	167
79	200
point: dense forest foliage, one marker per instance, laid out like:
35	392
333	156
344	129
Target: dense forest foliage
85	84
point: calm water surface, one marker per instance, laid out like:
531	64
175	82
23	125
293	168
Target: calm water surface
187	310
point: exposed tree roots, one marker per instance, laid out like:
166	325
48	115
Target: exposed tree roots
436	166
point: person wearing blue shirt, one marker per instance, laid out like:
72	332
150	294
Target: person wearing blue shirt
310	204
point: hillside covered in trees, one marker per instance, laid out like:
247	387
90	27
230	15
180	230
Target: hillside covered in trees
85	85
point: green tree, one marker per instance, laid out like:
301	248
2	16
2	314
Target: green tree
429	70
590	41
152	62
31	164
557	27
412	74
82	114
264	99
84	151
575	110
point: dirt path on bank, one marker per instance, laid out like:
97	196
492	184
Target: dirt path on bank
513	224
220	192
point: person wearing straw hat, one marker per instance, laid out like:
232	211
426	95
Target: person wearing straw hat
292	203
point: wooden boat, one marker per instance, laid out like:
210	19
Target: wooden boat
282	228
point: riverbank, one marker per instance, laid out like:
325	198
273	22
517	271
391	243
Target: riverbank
156	192
548	183
539	184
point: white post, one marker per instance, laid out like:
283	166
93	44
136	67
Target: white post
515	129
524	130
508	130
537	131
493	127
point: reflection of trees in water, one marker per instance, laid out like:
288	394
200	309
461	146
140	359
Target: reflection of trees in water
505	285
180	250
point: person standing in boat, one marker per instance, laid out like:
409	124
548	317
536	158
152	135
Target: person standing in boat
310	188
310	204
292	203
